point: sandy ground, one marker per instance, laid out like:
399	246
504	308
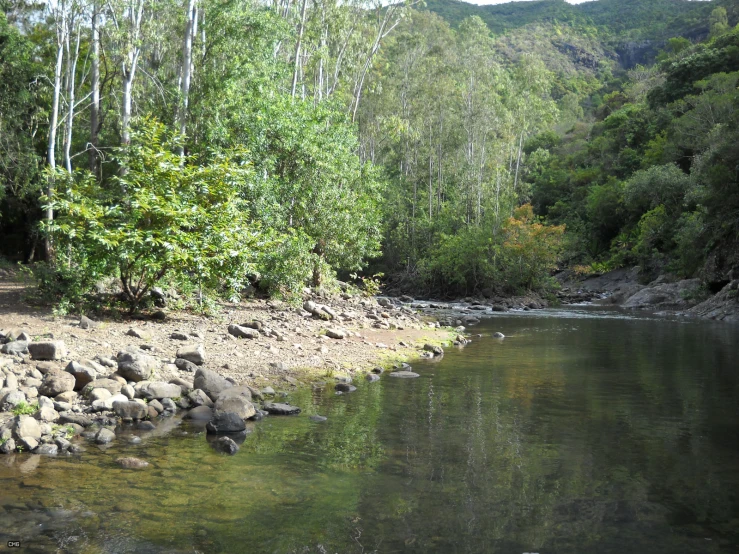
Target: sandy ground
297	350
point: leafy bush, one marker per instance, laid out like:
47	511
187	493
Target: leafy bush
162	215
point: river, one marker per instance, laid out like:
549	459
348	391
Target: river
582	431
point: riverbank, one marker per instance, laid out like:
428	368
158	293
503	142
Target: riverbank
68	376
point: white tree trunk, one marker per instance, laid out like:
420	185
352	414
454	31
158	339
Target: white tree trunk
186	68
95	88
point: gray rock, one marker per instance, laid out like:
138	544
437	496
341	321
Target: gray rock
47	350
130	410
132	463
104	436
404	374
335	333
318	418
372	377
128	391
199	398
139	333
211	383
435	350
225	422
159	390
99	394
62	443
156	405
56	382
75	419
26	426
11	398
235	404
185	385
47	414
194	353
145	426
268	391
277	408
8	446
226	445
378	370
242	332
11	381
498	335
200	413
185	365
345	387
169	406
47	450
28	444
45	402
15	348
179	336
134	365
82	374
111	385
87	323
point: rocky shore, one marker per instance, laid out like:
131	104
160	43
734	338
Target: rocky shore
67	383
665	295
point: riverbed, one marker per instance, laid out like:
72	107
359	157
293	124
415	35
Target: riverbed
581	431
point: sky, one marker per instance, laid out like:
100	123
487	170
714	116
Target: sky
486	2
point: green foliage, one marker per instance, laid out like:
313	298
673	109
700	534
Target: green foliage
23	408
161	215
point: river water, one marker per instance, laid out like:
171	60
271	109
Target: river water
580	432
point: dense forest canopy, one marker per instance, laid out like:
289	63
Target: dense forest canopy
213	146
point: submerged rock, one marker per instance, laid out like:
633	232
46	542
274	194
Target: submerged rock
277	408
226	445
404	374
132	463
498	335
318	418
345	387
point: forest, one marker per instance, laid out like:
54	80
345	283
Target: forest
222	147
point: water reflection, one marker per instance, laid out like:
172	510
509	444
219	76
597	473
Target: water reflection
571	435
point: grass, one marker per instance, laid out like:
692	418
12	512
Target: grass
23	408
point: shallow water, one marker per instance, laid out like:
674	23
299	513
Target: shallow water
580	432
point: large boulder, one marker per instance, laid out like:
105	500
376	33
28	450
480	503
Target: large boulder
158	390
56	382
211	383
47	350
235	400
26	426
82	374
130	410
194	353
226	422
134	365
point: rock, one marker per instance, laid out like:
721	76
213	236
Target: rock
62	443
134	365
8	446
82	374
242	332
72	418
199	398
47	350
104	436
435	350
145	426
139	334
107	404
87	323
225	422
179	336
372	377
15	348
112	385
157	406
11	382
335	333
11	398
170	408
404	374
233	403
277	408
498	335
128	391
130	410
26	426
46	414
345	387
185	385
318	418
378	370
56	382
132	463
225	445
28	444
210	382
184	365
159	315
47	450
268	391
194	353
159	390
200	413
